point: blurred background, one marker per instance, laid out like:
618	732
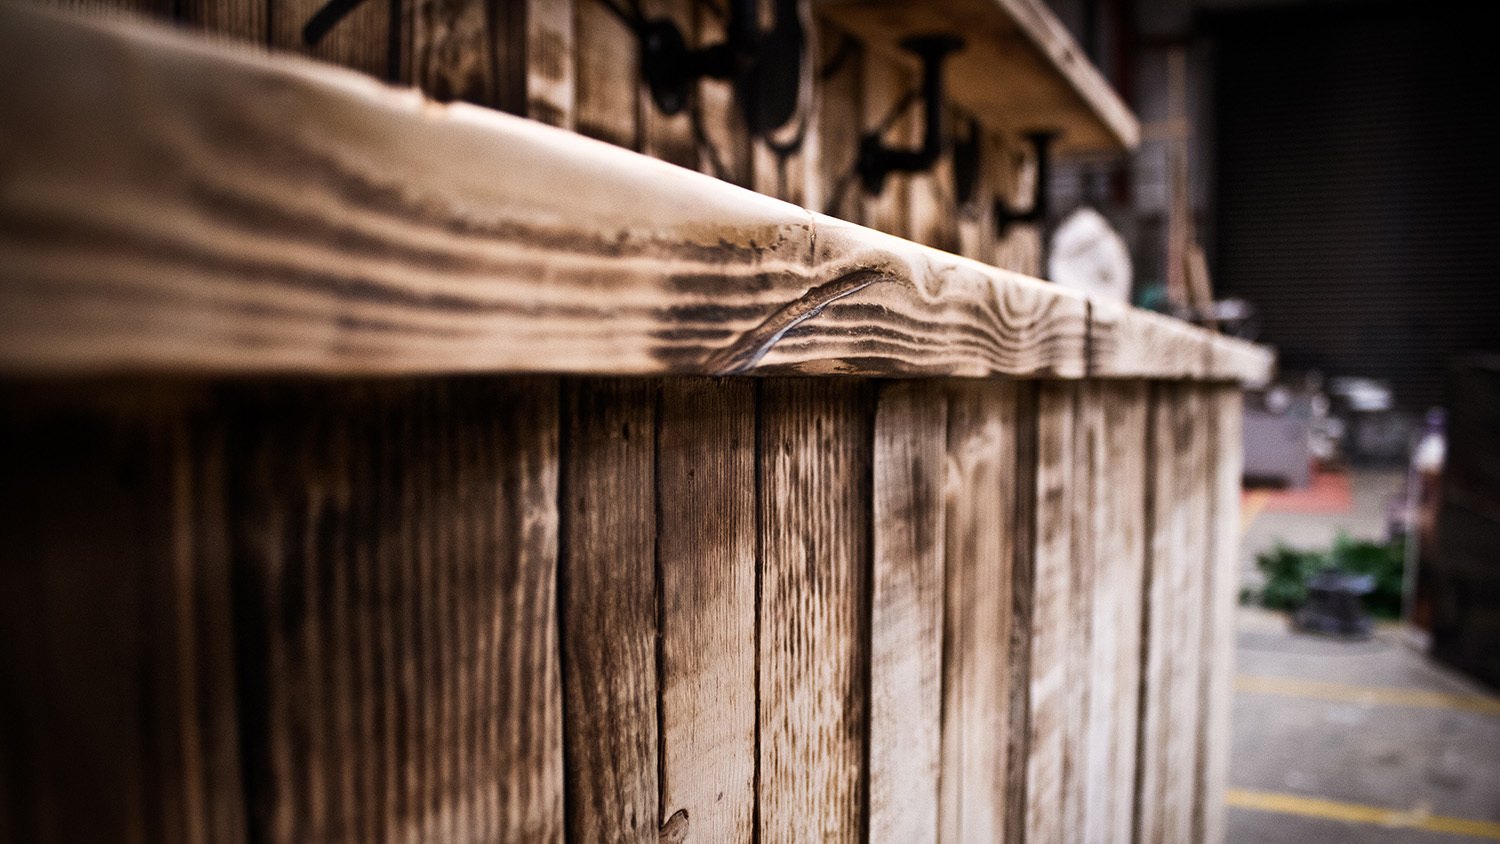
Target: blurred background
1319	177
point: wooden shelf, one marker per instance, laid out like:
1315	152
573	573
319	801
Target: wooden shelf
175	205
1020	70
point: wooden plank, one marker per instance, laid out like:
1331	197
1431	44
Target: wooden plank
1083	689
1119	555
814	448
706	550
979	675
669	138
889	108
454	53
608	610
1174	626
403	681
906	615
1051	625
976	222
551	62
1048	81
840	68
723	139
275	216
1224	412
1191	506
362	40
244	20
1127	342
785	163
606	99
117	710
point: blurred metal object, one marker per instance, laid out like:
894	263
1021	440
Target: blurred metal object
1335	605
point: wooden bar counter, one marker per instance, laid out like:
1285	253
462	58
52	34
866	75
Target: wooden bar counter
376	469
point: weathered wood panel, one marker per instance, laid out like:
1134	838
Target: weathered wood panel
1118	424
980	677
609	610
338	599
117	710
1051	625
906	616
706	551
369	38
1172	683
1222	418
814	446
404	680
551	62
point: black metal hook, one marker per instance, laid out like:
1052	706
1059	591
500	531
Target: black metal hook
1005	216
766	67
876	160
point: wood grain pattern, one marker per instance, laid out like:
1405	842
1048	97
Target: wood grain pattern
117	710
1222	418
606	100
1191	552
405	680
362	40
222	238
329	614
551	62
1172	684
1051	625
814	447
706	551
608	610
1118	413
245	20
886	106
979	675
457	49
906	615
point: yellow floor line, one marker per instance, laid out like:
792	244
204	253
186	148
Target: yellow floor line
1334	810
1369	695
1250	506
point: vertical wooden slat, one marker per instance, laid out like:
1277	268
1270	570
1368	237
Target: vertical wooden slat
1174	625
814	449
1115	415
1051	623
551	61
243	20
609	615
1083	686
885	87
397	620
1156	628
606	98
454	53
840	67
978	673
117	707
361	40
906	616
1224	418
706	544
724	145
975	235
669	138
1192	506
785	163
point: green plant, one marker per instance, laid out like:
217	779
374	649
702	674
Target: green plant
1287	570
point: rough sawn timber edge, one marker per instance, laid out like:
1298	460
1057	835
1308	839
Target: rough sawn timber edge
179	205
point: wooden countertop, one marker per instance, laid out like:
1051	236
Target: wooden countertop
172	204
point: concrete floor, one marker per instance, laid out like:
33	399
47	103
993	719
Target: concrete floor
1357	726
